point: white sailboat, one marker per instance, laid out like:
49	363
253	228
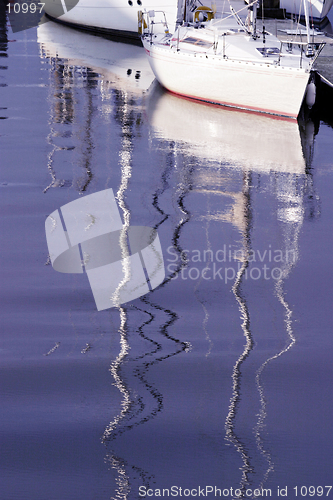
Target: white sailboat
230	62
112	17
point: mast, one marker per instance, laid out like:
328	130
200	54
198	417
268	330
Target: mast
309	51
181	5
253	19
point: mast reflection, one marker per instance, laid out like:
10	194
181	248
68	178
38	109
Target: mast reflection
244	148
69	130
249	143
85	70
115	74
231	435
142	400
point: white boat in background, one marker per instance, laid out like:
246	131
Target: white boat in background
121	17
111	17
230	62
318	9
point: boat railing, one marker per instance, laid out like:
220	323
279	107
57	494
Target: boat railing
146	21
308	50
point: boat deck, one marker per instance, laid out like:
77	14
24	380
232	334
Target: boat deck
284	30
229	43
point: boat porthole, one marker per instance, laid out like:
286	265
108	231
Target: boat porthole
139	2
130	2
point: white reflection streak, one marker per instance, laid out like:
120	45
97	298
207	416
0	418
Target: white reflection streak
54	223
54	119
123	489
57	344
86	258
49	140
293	219
118	382
244	315
229	424
122	480
50	159
93	220
126	173
263	413
206	318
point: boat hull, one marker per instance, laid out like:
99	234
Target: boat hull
264	88
114	17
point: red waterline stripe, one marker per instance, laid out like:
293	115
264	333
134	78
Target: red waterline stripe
232	108
249	109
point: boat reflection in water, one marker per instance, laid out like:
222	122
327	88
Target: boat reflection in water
123	65
248	140
90	74
256	150
211	175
